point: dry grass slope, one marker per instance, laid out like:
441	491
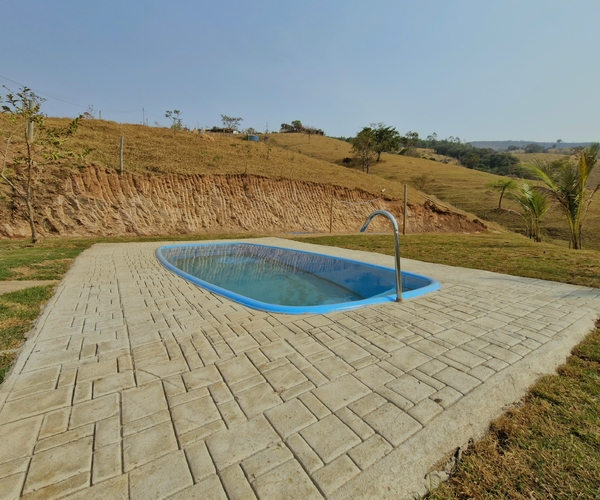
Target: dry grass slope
293	156
463	188
159	151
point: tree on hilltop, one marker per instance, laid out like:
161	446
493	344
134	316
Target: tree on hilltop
533	148
175	117
230	122
363	146
409	141
387	138
310	131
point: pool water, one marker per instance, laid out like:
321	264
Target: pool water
269	281
284	280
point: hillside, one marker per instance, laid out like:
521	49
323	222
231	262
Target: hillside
465	189
503	145
196	183
192	183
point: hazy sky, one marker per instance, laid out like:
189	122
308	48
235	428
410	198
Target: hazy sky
476	69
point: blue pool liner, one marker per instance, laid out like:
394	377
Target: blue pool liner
373	285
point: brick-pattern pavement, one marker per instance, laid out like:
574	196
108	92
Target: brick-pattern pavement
136	384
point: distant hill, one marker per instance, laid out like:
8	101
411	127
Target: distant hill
503	145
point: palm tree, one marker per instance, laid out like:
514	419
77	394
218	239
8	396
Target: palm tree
502	185
565	184
535	204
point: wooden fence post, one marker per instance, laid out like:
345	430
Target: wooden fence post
405	205
121	155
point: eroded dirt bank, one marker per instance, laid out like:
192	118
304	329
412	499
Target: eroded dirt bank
98	201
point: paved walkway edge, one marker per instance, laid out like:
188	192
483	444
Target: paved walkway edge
30	340
405	469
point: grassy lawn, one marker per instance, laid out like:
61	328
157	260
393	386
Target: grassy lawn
501	253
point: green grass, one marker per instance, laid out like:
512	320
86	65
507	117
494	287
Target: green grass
17	311
548	447
501	253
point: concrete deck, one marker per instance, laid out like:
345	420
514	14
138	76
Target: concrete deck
136	384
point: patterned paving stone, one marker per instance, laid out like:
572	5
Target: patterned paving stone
335	474
373	376
196	413
333	367
341	392
36	404
458	380
236	444
411	388
17	439
407	358
235	483
266	460
106	463
115	489
258	399
237	369
147	445
143	401
392	423
286	481
95	410
160	478
367	404
330	438
211	487
368	452
285	377
290	417
64	438
59	463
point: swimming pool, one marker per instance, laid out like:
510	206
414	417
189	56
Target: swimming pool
289	281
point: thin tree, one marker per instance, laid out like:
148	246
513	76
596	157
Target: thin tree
175	117
230	122
535	204
41	145
565	183
502	185
310	131
363	146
